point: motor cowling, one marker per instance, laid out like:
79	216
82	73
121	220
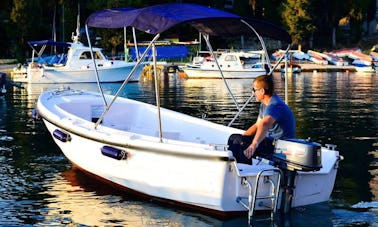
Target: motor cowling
297	154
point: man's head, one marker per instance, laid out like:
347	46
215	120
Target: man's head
263	86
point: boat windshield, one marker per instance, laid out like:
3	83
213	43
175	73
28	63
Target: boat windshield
230	58
87	55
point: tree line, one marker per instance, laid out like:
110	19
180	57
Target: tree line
311	23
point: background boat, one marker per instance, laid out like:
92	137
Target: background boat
316	57
74	66
234	65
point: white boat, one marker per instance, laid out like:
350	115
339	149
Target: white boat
362	62
175	167
316	57
175	157
292	55
234	65
345	52
75	66
361	67
300	55
333	59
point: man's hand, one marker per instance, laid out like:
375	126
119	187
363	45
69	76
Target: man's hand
250	150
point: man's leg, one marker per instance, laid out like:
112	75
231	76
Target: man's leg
265	149
237	143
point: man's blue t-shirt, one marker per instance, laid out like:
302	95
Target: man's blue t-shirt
284	125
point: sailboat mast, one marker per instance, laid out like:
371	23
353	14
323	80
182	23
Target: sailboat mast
75	37
78	20
54	30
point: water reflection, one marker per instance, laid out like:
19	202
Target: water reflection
106	206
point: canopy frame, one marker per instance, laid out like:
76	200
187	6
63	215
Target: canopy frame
205	24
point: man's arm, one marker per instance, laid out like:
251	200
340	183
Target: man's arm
252	130
262	127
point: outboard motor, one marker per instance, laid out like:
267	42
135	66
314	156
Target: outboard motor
291	155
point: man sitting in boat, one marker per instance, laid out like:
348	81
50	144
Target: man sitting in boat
275	121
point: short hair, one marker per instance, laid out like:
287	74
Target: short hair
266	82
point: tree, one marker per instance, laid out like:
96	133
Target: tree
358	14
27	17
336	11
112	38
25	20
5	29
271	12
297	17
328	14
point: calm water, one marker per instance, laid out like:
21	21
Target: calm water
40	187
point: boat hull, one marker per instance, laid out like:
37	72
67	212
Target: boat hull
52	75
364	69
229	74
190	165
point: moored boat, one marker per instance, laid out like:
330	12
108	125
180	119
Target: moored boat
75	66
175	157
362	62
345	52
333	59
234	65
316	57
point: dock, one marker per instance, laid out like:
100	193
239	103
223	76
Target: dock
7	68
308	67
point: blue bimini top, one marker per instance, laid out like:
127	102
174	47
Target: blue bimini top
158	18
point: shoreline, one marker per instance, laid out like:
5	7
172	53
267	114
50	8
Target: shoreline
306	67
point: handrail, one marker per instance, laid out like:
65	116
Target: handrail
271	68
206	37
95	67
262	44
124	82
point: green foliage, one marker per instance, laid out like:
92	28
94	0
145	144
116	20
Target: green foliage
25	20
357	13
298	18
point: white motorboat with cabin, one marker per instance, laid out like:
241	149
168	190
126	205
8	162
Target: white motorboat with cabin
234	65
174	157
77	65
